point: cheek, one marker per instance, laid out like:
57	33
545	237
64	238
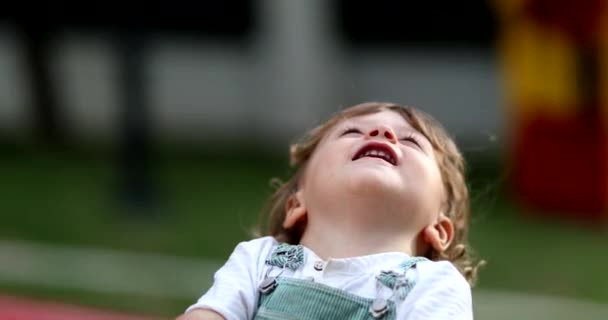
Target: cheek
426	175
321	166
434	177
436	185
327	158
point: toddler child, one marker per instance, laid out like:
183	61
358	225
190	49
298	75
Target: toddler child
371	225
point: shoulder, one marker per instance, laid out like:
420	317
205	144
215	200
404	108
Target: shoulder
434	271
262	243
234	291
255	250
440	292
442	276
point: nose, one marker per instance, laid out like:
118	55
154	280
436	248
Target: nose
383	132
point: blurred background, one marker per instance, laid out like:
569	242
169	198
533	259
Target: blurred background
137	142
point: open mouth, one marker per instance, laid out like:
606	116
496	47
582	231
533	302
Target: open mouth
377	150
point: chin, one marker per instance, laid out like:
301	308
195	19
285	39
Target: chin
373	182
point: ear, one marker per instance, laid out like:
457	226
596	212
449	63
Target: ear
295	210
440	234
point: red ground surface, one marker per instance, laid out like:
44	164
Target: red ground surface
16	308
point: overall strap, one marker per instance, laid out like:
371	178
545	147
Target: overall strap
283	256
287	256
397	281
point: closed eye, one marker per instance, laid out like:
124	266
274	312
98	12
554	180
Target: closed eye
351	130
413	139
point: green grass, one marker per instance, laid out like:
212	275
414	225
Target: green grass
70	199
207	203
531	254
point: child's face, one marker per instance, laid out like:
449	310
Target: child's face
378	159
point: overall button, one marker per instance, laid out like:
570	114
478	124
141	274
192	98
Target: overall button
268	285
378	308
318	265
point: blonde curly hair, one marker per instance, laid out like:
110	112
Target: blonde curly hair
449	160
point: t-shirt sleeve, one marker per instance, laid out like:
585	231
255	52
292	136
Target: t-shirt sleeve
441	292
234	292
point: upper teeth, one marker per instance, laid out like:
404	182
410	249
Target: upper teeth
379	153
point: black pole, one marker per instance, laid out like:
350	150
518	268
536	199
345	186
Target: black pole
136	187
47	124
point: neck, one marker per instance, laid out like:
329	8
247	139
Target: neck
344	241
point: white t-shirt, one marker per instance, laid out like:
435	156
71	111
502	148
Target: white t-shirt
441	292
